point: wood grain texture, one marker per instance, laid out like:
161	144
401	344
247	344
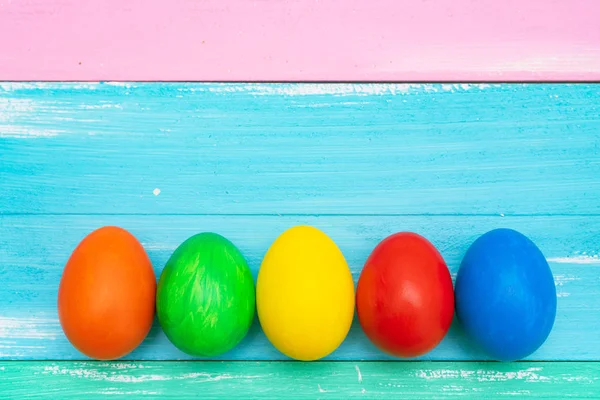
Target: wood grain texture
406	380
34	249
299	149
360	161
350	40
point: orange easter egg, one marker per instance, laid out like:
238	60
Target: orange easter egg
106	297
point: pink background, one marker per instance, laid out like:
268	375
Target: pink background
300	40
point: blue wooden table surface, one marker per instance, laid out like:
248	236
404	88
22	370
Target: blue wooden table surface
359	161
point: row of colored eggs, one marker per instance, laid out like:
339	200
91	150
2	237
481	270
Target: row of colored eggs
305	297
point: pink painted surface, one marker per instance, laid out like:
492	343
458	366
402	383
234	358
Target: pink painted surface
300	40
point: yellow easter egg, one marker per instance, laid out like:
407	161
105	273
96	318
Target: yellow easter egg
305	294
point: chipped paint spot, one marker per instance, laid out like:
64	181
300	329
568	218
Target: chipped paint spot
321	390
156	191
359	374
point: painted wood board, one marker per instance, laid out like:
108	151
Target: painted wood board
359	161
406	380
314	40
34	249
346	149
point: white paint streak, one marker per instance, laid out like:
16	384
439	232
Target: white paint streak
112	376
10	86
292	89
575	63
156	246
22	132
119	84
528	375
575	260
206	377
113	391
120	365
452	388
584	379
332	104
100	106
559	282
338	89
18	116
516	392
156	191
27	328
9	108
96	375
359	374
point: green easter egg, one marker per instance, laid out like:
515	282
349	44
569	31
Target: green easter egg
205	297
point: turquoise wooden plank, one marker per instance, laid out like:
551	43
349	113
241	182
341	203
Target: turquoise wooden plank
406	380
33	250
192	148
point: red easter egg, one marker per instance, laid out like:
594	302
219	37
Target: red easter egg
404	298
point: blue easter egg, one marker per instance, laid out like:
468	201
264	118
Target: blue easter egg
505	295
